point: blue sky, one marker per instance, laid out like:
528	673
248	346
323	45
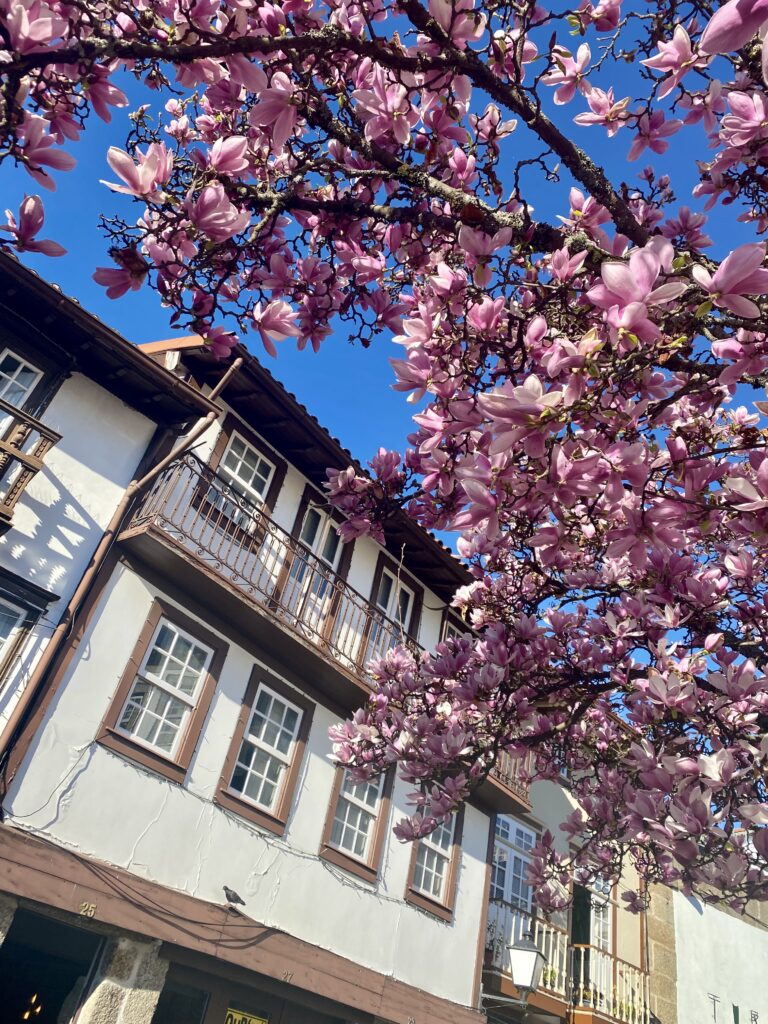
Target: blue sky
345	386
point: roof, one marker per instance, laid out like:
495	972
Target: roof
290	428
86	344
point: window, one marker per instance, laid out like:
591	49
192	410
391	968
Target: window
260	773
21	605
247	471
433	859
11	618
247	468
166	689
396	607
434	869
309	587
511	857
602	915
266	750
452	631
394	599
355	817
17	378
165	692
357	821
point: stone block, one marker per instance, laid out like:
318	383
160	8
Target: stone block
7	909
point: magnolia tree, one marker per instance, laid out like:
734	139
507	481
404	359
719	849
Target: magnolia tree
587	388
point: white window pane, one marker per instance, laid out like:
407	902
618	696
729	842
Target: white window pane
357	809
153	716
385	592
312	522
245	469
430	872
10	617
265	752
17	378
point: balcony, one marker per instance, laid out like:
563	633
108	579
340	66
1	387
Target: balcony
24	443
198	511
609	987
211	527
592	981
507	924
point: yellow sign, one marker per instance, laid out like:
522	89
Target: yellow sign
238	1017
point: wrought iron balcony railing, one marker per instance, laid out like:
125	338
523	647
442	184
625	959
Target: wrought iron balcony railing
198	511
24	443
583	976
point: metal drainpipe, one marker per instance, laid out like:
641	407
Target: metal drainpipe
36	681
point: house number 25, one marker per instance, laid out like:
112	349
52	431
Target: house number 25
88	909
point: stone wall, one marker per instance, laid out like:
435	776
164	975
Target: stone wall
662	960
129	982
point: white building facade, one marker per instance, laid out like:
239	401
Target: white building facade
177	846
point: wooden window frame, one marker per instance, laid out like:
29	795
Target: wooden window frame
275	821
385	561
52	371
311	496
232	425
33	601
172	768
445	909
368	869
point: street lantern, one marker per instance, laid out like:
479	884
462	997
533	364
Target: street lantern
527	962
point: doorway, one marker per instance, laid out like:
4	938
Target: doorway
44	966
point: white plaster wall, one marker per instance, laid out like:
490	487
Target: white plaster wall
65	509
723	956
176	836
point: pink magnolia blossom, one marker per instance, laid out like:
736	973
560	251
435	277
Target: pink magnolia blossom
733	25
40	151
568	73
32	23
276	109
458	19
676	58
275	322
30	222
740	274
220	341
128	276
747	121
215	216
229	155
386	109
142	175
652	132
605	110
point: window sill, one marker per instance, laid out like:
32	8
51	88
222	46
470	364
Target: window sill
150	759
417	899
232	801
355	867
